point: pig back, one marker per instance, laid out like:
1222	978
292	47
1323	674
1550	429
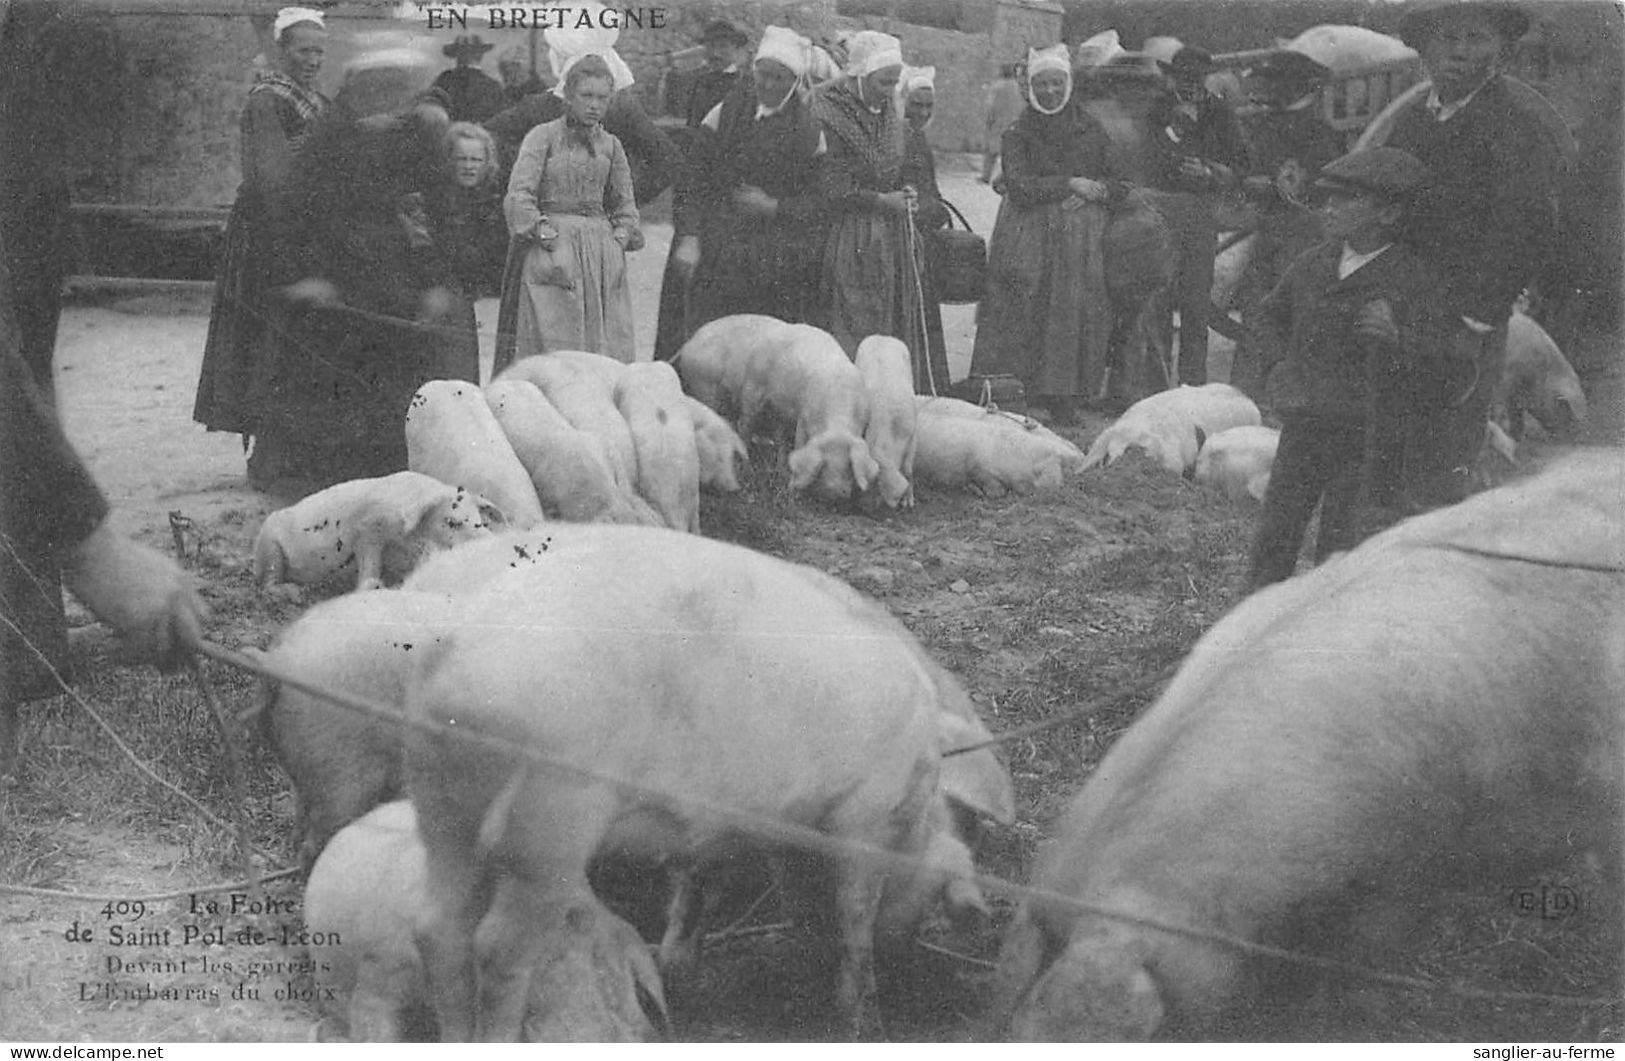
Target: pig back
1409	717
740	681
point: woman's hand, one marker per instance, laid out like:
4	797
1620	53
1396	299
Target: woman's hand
1090	191
894	202
545	234
686	256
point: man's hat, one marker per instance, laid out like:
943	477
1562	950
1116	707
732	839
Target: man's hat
721	31
1189	61
1292	67
1388	171
1423	17
467	45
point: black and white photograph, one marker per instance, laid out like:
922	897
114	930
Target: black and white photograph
779	521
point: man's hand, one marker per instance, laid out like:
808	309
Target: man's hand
139	591
754	202
1376	321
313	291
686	256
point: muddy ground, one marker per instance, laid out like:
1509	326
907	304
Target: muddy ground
1040	605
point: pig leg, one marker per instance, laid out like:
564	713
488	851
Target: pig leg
551	830
857	998
445	940
369	566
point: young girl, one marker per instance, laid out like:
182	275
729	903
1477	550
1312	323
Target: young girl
471	234
571	215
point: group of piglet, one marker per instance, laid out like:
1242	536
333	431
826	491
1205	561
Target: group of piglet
649	699
569	436
1211	434
853	427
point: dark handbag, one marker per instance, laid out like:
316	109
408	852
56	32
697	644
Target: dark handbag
957	260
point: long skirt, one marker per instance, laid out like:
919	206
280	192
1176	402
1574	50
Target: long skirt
1046	318
872	283
574	297
335	403
238	324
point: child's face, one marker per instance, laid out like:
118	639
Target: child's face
1353	214
468	162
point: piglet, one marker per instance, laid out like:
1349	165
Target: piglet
884	364
380	527
451	435
721	450
566	465
1537	379
1238	461
590	983
650	397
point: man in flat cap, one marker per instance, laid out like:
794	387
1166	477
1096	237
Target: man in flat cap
1484	221
472	95
1289	141
723	43
1362	363
1200	154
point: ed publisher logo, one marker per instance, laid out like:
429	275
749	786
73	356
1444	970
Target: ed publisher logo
1549	902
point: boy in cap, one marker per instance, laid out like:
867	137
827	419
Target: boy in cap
1359	364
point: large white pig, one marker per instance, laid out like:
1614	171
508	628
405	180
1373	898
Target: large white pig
650	398
883	362
379	527
1417	715
1537	379
365	893
567	466
586	398
976	783
343	763
776	702
452	436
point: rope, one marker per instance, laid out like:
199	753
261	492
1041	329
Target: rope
157	897
915	250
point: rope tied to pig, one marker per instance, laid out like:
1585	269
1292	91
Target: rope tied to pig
780	832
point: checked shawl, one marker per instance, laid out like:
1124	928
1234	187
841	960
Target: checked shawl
307	103
875	138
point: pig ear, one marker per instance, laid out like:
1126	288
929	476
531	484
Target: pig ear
491	512
864	466
804	465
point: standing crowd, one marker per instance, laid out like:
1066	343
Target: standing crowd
1372	316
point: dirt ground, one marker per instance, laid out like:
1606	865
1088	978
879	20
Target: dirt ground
1038	604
